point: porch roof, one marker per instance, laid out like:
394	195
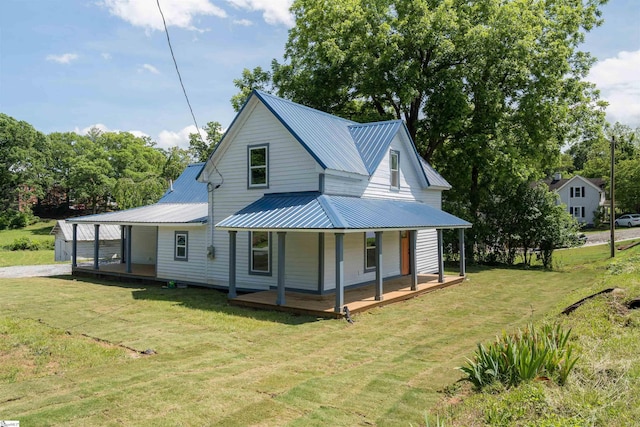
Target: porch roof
153	215
313	211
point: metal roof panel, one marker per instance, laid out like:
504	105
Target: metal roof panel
86	232
186	189
373	140
159	213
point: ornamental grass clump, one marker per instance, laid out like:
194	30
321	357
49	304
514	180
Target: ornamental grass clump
526	355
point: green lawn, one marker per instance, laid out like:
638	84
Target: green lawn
66	350
40	232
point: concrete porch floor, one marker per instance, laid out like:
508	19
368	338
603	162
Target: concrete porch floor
357	299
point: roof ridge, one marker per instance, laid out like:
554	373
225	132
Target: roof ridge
333	116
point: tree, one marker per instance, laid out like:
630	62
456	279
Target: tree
199	149
256	79
488	89
628	185
177	160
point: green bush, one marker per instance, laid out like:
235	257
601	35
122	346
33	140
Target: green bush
24	244
523	356
15	219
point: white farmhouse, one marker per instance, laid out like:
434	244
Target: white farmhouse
583	197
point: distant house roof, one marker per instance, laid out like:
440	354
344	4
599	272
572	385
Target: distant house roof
186	204
556	184
308	211
86	232
337	143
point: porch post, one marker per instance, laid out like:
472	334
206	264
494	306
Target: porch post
232	264
379	292
96	246
440	258
281	263
123	255
413	237
339	272
461	244
128	248
74	247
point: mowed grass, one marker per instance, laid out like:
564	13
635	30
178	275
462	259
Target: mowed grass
67	354
38	231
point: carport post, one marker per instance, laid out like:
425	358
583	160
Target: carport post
339	272
379	291
440	258
281	258
123	256
232	264
461	244
74	247
128	249
96	246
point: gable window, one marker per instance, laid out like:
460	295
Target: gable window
577	192
258	169
260	256
394	166
369	250
181	244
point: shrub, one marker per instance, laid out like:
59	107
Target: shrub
24	244
523	356
14	219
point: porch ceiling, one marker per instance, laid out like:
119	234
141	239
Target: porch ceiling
313	211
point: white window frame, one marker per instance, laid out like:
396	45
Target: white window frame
394	173
251	167
576	211
184	246
369	247
253	250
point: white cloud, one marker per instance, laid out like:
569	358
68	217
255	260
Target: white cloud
149	68
167	138
243	22
106	56
103	128
619	83
274	12
65	58
177	13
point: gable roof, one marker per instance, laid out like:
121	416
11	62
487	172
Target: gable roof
86	232
336	143
557	184
313	211
186	189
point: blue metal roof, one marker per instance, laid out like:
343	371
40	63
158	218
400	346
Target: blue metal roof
157	214
186	189
315	211
372	141
433	177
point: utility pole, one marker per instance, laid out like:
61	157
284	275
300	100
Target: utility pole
612	215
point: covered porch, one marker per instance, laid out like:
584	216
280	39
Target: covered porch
357	299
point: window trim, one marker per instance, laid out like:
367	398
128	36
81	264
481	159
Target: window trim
368	268
269	254
250	148
175	246
577	212
395	153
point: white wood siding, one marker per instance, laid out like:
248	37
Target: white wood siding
143	244
590	201
301	269
291	169
109	249
194	269
427	251
354	271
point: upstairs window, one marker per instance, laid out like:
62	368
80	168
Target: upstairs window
258	166
260	252
394	166
577	192
369	250
181	240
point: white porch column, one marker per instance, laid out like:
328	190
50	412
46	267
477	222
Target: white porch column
440	258
74	247
128	247
413	258
461	244
96	246
232	264
339	272
281	265
379	291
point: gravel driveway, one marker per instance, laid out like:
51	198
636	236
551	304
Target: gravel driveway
34	271
621	234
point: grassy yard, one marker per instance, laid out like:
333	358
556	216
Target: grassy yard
70	350
40	232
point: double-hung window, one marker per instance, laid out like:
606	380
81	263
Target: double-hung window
577	192
394	167
258	170
260	256
369	250
181	244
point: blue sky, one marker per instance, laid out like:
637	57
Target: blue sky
69	65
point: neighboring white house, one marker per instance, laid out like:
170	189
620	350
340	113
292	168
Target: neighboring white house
583	197
298	199
110	242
